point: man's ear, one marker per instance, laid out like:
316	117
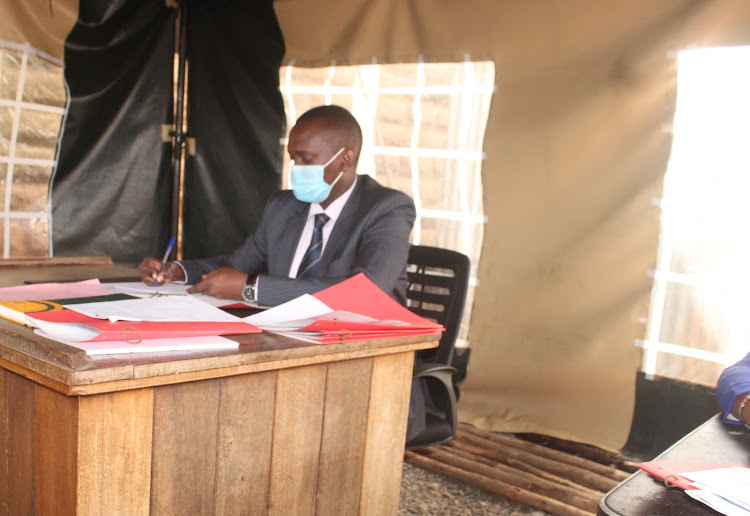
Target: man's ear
348	157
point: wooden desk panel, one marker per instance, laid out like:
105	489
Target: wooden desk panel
318	439
276	426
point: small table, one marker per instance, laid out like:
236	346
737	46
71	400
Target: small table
276	426
642	494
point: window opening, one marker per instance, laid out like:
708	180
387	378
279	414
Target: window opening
423	128
698	320
33	103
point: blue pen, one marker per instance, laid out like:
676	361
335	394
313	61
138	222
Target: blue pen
166	257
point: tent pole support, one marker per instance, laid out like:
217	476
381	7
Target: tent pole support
180	136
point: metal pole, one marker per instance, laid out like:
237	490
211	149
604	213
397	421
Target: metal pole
179	136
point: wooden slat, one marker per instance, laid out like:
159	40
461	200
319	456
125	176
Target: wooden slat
344	428
4	442
114	459
234	363
56	452
21	415
23	339
184	448
386	433
245	437
296	442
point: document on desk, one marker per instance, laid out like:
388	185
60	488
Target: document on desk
726	490
140	289
139	319
352	310
168	308
204	343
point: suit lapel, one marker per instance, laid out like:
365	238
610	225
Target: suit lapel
343	228
290	234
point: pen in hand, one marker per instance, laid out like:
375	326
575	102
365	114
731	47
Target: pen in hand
164	260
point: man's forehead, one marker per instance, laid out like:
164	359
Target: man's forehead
310	133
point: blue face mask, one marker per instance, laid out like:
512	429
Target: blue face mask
308	181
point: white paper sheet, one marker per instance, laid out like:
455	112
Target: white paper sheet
727	490
166	308
140	289
149	345
298	308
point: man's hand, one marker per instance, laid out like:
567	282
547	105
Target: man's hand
151	272
224	283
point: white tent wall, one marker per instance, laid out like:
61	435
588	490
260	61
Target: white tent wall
577	144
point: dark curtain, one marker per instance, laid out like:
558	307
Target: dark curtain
236	115
111	192
111	189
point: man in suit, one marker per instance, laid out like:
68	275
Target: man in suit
367	228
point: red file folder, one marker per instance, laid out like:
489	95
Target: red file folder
131	331
359	311
669	470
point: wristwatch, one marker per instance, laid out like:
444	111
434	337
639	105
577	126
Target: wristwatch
248	291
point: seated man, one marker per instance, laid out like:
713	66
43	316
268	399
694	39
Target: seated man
365	226
332	225
733	392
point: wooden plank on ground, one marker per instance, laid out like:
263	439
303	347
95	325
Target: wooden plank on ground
245	437
343	442
296	442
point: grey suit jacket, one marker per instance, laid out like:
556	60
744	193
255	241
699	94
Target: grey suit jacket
371	236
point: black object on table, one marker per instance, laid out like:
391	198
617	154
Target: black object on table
642	494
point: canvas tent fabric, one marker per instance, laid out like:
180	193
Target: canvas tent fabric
577	144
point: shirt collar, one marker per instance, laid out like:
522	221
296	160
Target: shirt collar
334	209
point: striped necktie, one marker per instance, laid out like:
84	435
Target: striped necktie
309	265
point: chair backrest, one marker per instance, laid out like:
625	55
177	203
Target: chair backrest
438	283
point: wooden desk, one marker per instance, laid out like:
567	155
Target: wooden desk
277	426
641	494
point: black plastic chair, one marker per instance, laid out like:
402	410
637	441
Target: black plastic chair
438	283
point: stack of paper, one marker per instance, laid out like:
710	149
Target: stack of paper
140	289
90	316
353	310
139	319
723	487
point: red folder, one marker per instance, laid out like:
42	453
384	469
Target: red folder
359	296
669	470
132	331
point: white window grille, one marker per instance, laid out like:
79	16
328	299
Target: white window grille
699	310
423	128
32	105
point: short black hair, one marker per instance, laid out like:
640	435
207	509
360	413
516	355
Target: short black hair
341	121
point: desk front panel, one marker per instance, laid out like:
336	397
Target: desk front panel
322	439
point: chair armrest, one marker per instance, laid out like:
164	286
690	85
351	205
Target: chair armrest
435	370
444	374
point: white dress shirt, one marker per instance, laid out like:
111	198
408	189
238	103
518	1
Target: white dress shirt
333	211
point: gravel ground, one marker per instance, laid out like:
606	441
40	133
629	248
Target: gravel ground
426	493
